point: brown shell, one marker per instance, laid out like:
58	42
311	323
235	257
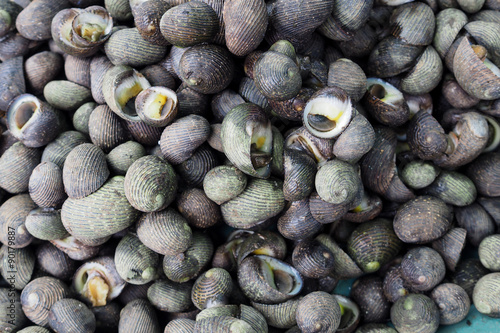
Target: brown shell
34	21
484	172
55	262
223	102
147	16
292	108
191	101
456	96
166	232
39	295
245	25
41	68
106	130
426	137
158	75
143	133
473	75
452	301
180	139
16	165
198	209
450	246
77	70
394	285
46	186
85	170
390	113
422	220
193	170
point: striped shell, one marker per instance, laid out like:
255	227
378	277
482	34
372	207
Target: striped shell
106	129
85	170
57	151
170	296
138	316
46	186
16	165
100	214
71	315
13	213
212	288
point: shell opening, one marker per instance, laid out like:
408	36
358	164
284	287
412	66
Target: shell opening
24	112
261	145
90	26
280	276
95	288
493	135
127	91
491	66
159	103
327	117
385	92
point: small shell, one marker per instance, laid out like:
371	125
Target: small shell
193	170
312	259
81	117
13	213
320	149
280	315
101	213
71	315
13	83
325	212
318	312
16	165
394	284
449	21
156	106
198	209
223	183
337	182
199	24
127	47
75	249
300	171
180	139
347	75
367	292
185	266
143	133
57	151
478	223
343	267
106	129
138	316
136	263
150	184
328	112
297	222
392	56
483	172
386	103
261	200
66	95
33	122
277	76
415	313
77	70
120	86
212	289
414	23
418	174
170	296
223	102
99	65
39	295
147	16
467	273
453	188
17	266
45	224
123	156
247	139
422	268
452	301
426	136
45	186
450	247
41	68
97	281
251	94
165	232
373	244
489	250
425	75
55	262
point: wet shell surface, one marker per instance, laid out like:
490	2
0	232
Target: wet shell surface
150	184
212	289
71	315
318	312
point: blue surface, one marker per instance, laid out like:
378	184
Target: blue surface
475	322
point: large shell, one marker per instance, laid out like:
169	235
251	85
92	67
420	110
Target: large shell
100	214
136	263
223	183
206	68
452	301
245	25
33	22
138	316
165	232
150	184
422	268
261	200
13	82
337	182
297	222
85	170
415	313
39	295
212	289
318	312
17	266
41	68
198	209
474	75
66	95
180	139
199	24
45	224
247	137
71	315
16	165
422	220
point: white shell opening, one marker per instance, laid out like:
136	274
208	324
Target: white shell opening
159	102
391	95
335	113
128	89
22	113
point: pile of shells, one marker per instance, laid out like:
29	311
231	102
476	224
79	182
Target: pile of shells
219	166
